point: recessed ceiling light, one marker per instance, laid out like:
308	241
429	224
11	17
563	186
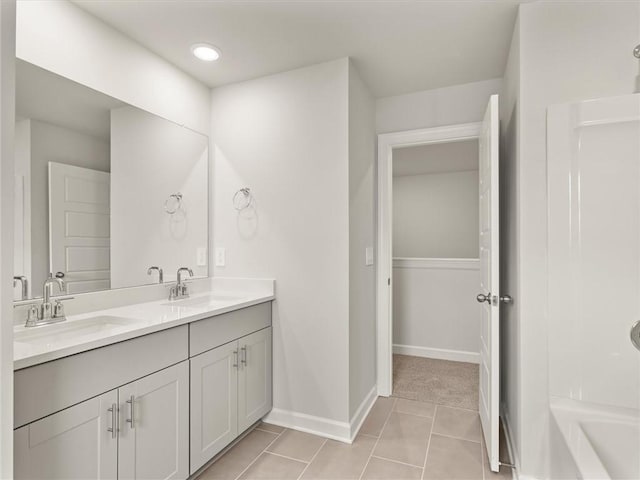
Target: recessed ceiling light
205	52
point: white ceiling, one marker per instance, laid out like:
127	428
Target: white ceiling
45	96
397	46
436	158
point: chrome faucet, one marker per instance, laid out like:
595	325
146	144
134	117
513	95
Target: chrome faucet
47	312
25	285
160	273
180	288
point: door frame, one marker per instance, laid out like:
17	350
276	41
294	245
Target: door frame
384	314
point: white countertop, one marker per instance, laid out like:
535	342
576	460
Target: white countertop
89	330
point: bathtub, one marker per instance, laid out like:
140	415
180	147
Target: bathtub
592	442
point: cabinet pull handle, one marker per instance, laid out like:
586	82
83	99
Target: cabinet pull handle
130	420
235	358
114	421
244	356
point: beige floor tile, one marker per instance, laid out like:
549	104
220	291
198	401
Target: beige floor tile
341	461
404	438
459	423
422	409
274	467
377	416
232	463
453	459
267	427
380	469
299	445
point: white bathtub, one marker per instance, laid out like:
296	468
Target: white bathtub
594	443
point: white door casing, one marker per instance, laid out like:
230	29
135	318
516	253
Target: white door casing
489	296
386	144
79	226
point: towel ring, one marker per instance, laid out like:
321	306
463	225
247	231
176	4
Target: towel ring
173	203
242	199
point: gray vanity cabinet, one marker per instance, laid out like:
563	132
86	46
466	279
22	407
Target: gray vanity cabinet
230	391
72	444
140	430
154	426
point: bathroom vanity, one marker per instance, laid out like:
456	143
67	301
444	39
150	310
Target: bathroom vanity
146	390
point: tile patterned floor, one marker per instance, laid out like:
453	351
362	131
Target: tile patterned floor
400	439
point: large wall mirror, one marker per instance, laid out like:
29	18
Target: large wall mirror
103	190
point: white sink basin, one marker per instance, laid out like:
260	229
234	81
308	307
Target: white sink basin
72	331
204	301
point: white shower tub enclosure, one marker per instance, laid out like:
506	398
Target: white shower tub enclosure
594	288
592	442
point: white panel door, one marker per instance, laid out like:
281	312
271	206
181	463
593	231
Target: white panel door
214	402
154	426
74	443
79	227
489	296
254	378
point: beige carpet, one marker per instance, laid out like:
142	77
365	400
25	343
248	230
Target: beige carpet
442	382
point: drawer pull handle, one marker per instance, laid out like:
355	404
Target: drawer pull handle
114	421
131	420
244	356
235	358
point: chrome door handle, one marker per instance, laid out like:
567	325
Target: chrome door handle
635	334
481	298
131	420
243	360
506	299
235	358
114	420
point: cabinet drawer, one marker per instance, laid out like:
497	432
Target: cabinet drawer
49	387
215	331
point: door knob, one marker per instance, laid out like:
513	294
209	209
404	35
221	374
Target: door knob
635	334
506	299
481	298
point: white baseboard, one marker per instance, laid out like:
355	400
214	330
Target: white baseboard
324	427
437	353
363	410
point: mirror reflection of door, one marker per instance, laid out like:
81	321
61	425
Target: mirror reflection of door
79	227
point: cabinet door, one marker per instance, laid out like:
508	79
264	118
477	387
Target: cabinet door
154	426
72	444
214	402
254	378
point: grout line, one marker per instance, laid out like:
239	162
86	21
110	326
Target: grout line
396	461
313	458
284	456
455	438
379	437
426	453
368	435
260	454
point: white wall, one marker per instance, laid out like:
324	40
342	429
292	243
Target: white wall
51	143
436	215
362	327
64	39
7	120
430	108
435	313
568	51
152	158
286	137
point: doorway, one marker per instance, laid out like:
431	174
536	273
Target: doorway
407	146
